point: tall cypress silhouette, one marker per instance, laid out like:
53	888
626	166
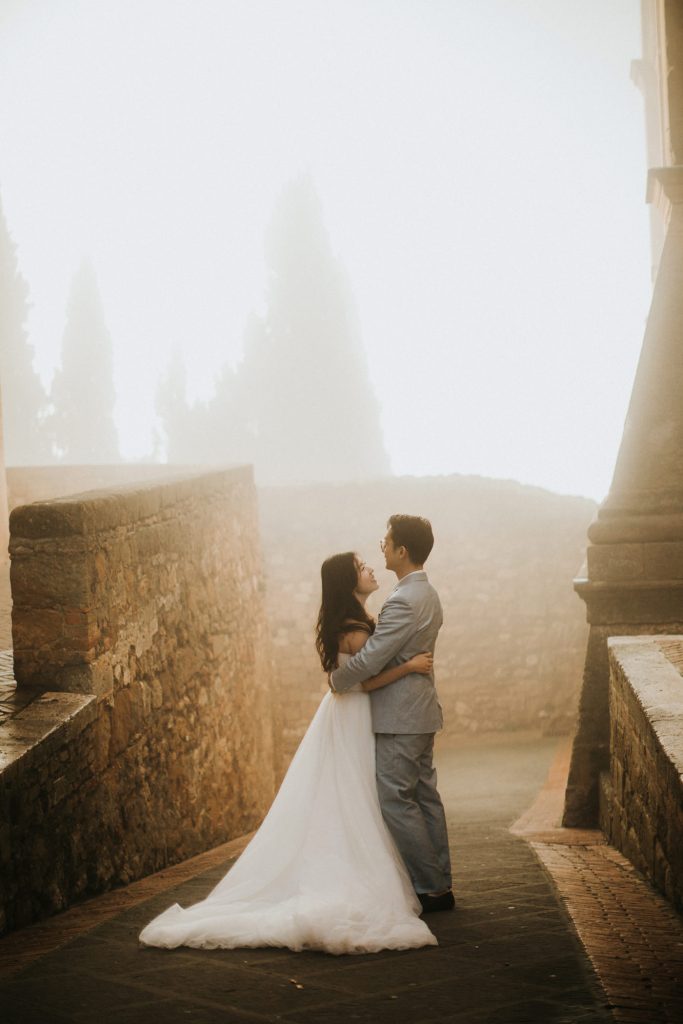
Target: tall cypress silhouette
24	402
300	405
315	414
185	429
83	393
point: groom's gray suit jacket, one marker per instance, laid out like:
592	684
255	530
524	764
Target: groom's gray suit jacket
408	624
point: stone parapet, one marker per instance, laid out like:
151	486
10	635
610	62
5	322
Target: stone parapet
641	798
139	615
35	732
92	575
26	484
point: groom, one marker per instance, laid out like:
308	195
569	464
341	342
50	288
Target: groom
407	713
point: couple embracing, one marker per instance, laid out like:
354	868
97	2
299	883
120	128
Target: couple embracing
354	848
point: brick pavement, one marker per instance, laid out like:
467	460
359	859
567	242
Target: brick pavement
508	954
633	937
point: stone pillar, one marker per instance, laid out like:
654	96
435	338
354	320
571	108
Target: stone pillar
633	583
634	579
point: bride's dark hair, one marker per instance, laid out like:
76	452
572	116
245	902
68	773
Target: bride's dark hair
340	609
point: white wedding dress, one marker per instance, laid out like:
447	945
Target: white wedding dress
322	872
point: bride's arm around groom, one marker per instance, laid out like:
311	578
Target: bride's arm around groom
408	624
395	628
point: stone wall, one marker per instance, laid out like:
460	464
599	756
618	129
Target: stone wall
510	653
26	484
641	797
148	602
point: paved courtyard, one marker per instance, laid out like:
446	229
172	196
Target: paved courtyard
509	953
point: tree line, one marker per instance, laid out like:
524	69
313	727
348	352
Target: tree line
299	404
73	421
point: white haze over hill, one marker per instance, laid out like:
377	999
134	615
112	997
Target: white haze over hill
481	169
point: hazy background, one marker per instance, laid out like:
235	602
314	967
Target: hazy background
480	169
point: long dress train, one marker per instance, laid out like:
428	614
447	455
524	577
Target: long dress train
322	871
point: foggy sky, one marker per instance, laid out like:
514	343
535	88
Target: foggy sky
481	167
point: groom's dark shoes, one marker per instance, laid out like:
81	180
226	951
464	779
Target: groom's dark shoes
431	903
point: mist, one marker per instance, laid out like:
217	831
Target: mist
338	240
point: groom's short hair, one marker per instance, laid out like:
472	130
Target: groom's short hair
414	533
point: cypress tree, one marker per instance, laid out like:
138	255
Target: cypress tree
83	394
24	402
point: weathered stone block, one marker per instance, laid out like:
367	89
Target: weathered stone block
41	580
35	627
663	561
615	561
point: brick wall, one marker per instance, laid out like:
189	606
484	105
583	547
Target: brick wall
641	800
139	612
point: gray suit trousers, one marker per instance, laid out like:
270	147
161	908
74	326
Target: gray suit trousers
412	808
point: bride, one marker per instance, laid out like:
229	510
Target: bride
322	871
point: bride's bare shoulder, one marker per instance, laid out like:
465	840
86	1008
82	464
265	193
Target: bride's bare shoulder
354	636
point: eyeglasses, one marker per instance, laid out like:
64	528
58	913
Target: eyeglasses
382	545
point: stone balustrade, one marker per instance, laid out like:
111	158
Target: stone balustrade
641	796
139	622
